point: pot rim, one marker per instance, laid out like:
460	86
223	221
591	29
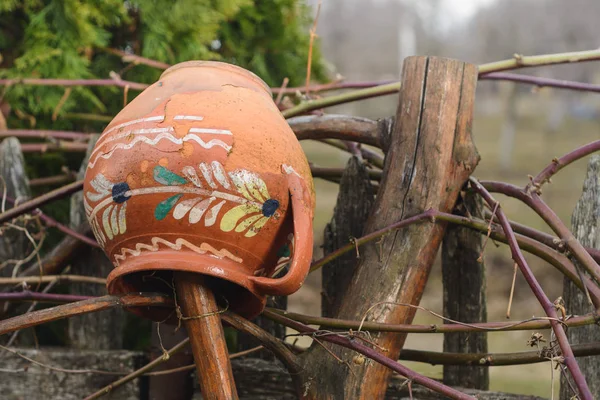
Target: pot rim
219	65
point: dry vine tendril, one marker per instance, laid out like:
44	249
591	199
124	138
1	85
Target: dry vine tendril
530	195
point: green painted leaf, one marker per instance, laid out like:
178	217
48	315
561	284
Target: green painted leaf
166	177
163	208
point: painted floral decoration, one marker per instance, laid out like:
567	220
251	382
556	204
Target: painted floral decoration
198	194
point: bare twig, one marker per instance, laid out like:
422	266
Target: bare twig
51	278
559	163
313	35
45	134
375	356
542	82
532	199
546	304
81	307
519	61
148	367
30	309
40	201
135	59
528	324
512	290
514	63
51	222
491	359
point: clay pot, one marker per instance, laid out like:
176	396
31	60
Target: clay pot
201	173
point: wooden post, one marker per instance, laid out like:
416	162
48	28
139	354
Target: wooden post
14	243
354	203
246	342
463	274
585	223
202	321
176	385
102	330
430	157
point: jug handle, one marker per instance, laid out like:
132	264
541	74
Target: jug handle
303	242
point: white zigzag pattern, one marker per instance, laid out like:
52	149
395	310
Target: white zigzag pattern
179	243
211	143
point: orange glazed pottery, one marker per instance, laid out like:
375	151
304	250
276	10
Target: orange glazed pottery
201	173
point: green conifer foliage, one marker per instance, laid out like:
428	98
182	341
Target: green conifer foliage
71	38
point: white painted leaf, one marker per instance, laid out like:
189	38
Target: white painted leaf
122	222
183	207
238	181
114	222
190	173
197	212
220	174
101	184
105	223
207	173
211	215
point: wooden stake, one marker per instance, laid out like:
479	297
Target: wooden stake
203	324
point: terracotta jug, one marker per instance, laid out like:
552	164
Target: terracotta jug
201	173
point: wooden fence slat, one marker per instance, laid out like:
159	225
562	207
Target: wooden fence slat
464	294
13	243
352	209
585	223
102	330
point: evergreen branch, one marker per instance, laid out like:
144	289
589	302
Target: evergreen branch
547	305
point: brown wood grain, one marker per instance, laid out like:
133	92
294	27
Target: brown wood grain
203	324
430	157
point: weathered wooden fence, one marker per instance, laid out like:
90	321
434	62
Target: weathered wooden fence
96	340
